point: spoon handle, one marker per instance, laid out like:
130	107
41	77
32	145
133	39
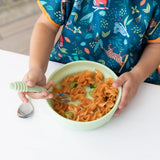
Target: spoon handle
22	87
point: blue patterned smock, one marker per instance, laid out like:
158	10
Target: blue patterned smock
111	32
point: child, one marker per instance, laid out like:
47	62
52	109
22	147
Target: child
121	34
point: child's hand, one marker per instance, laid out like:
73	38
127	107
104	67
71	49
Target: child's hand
36	77
130	84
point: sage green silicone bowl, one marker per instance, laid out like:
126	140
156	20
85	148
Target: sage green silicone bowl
77	67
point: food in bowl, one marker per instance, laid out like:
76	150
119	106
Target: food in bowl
92	96
73	68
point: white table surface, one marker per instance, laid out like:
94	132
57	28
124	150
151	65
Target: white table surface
133	135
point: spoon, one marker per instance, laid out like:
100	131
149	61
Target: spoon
25	110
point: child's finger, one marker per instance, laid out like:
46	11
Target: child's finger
119	82
49	84
23	97
31	83
41	95
32	79
119	111
124	100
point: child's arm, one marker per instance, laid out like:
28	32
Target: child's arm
42	41
130	81
41	44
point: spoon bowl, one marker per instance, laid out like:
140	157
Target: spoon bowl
25	110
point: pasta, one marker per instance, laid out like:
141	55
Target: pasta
101	101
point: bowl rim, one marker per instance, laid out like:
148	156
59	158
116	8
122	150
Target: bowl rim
99	119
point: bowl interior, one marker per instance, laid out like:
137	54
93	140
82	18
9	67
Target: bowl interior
77	67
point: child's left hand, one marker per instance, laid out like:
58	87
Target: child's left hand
130	84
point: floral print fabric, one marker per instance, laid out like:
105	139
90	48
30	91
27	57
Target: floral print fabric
111	32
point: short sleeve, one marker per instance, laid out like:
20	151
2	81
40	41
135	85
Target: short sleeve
153	32
53	10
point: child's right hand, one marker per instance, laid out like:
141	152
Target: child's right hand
36	77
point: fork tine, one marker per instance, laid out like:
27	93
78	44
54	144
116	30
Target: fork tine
65	101
62	100
62	97
61	94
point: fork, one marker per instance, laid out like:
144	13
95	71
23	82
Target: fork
22	87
